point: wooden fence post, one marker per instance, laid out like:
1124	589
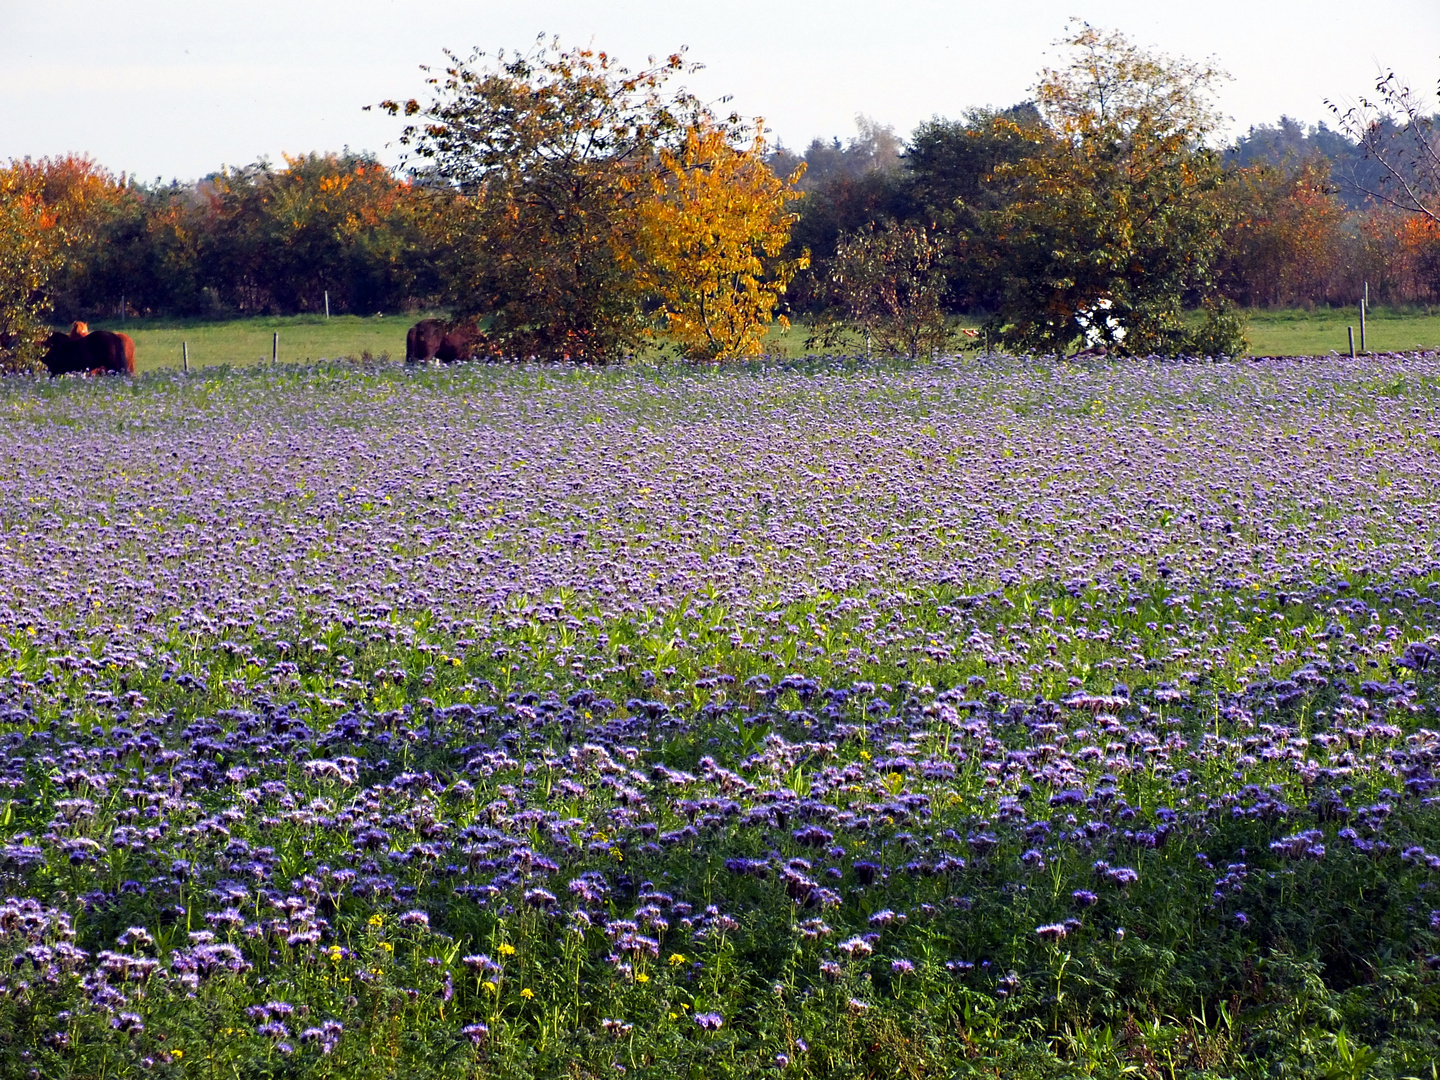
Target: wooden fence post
275	348
185	356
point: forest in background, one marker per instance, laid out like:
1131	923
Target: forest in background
1098	210
274	239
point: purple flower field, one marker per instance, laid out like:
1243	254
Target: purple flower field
826	719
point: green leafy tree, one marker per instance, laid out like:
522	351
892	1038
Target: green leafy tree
891	286
28	257
341	224
1114	224
952	181
540	163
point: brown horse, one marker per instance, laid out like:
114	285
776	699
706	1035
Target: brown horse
101	351
431	339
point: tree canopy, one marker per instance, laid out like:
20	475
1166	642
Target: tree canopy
556	170
1115	210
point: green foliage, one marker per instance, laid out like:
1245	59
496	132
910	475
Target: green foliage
29	255
324	223
1116	212
952	180
890	285
542	161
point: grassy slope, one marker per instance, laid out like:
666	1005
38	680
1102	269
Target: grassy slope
311	337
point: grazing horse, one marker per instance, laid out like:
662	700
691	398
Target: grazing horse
431	339
101	351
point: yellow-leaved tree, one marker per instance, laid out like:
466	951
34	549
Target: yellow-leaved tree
710	242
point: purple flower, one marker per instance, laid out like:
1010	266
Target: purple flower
709	1021
1122	876
326	1036
856	946
127	1023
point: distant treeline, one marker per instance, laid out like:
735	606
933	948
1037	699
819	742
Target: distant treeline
274	240
570	208
252	240
1299	228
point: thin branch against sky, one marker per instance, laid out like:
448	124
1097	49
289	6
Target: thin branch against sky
176	88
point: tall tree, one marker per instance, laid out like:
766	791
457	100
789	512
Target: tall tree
1117	209
953	187
711	241
31	245
542	161
1396	130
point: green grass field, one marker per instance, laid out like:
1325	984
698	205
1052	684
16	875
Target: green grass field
303	338
158	342
1296	332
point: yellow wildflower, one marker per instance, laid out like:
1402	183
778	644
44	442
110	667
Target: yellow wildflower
527	993
506	950
676	959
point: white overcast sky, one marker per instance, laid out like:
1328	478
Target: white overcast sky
176	88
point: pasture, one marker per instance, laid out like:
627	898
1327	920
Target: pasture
245	342
1297	332
310	338
799	720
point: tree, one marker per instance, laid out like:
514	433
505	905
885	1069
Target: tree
875	148
710	243
280	239
1116	210
1394	130
952	183
540	163
1285	232
30	250
890	284
1420	242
